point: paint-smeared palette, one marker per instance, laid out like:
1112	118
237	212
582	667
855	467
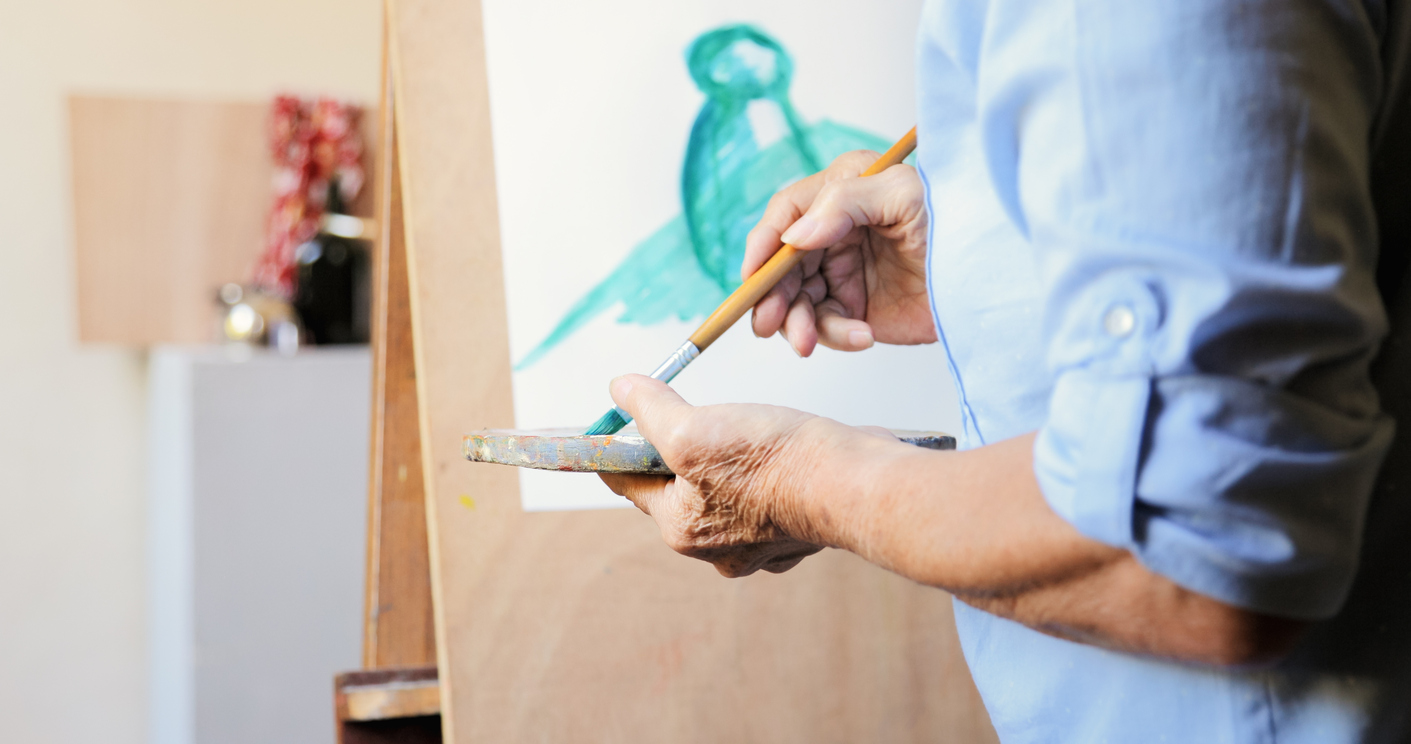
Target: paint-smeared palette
627	451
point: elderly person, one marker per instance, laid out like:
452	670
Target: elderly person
1158	241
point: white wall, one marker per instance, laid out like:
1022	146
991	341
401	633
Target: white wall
71	418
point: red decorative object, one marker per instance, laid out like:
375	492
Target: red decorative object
313	143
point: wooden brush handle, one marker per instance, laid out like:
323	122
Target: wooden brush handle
758	285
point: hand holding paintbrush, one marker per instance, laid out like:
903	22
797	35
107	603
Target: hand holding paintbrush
742	299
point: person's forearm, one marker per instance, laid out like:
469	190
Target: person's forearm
975	523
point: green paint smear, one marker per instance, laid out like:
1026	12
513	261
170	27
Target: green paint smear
690	264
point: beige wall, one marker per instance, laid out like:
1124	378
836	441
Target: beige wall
72	658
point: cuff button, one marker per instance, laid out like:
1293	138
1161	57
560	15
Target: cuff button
1119	322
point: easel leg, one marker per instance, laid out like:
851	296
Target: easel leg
399	622
394	699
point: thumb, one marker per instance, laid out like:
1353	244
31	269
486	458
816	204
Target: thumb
657	409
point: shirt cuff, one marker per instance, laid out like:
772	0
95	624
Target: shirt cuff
1242	493
1086	457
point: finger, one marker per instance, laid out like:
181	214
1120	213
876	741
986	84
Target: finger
791	203
785	207
658	410
815	288
837	330
769	312
781	563
812	261
888	198
644	491
742	560
799	326
736	561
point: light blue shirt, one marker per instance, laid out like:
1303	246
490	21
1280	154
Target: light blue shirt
1157	227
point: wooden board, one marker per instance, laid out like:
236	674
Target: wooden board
387	706
170	200
380	694
583	626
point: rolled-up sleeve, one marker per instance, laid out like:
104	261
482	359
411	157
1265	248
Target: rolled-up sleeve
1194	179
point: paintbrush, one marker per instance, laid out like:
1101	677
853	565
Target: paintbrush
741	300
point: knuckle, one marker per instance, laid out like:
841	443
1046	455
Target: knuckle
835	206
850	164
686	452
677	541
830	196
831	308
778	202
785	203
903	171
900	177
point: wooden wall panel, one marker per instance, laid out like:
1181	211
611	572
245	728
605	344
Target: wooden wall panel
170	199
583	626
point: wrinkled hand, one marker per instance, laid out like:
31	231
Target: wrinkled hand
741	473
864	278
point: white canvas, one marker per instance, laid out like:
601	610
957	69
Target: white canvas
592	107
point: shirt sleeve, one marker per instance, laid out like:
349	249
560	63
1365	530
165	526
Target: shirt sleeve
1194	179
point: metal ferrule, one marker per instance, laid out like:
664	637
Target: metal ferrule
676	362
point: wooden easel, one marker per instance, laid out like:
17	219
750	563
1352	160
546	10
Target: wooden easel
395	697
571	626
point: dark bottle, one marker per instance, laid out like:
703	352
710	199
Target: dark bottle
333	297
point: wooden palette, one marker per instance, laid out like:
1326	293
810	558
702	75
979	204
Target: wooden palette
569	450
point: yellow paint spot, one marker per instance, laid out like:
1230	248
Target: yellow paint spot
402	473
467	502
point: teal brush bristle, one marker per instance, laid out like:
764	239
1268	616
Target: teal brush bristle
611	423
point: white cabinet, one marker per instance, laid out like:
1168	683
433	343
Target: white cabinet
257	528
